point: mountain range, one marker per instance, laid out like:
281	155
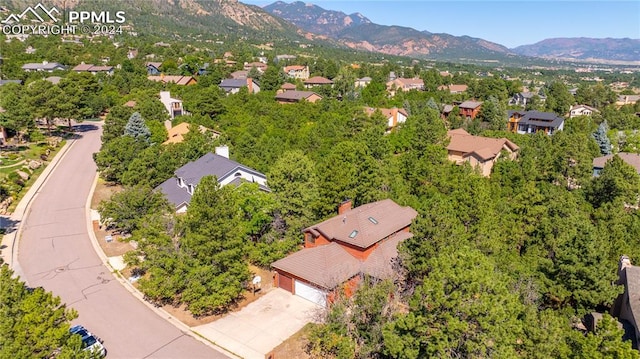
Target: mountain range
358	32
298	21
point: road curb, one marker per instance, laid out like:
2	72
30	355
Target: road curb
134	291
11	241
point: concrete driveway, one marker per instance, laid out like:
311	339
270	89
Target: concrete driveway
261	326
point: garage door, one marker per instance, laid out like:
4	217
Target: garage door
310	293
285	282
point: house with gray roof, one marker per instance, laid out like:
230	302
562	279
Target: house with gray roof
4	82
534	121
179	188
44	66
340	251
232	86
523	98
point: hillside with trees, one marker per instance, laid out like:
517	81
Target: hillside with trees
499	266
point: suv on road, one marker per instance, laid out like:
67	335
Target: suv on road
89	341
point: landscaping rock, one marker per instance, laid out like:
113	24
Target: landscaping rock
23	175
35	164
4	205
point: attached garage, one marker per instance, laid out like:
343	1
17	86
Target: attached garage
310	293
285	282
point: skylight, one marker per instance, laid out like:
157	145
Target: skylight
373	220
353	234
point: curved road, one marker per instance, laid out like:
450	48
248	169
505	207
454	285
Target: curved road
55	252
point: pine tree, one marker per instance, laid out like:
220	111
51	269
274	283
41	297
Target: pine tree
137	129
602	139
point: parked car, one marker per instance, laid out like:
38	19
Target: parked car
89	341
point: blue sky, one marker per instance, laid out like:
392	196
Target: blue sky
510	23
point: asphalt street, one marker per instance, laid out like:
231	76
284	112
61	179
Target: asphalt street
55	252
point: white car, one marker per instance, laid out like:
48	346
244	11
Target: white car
89	341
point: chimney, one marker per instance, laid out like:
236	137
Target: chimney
622	264
250	84
344	206
222	151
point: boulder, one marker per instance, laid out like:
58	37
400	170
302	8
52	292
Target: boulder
35	164
23	175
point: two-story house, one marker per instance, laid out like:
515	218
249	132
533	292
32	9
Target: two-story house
470	109
523	98
403	84
297	72
179	188
480	152
533	121
173	105
339	251
317	81
178	80
260	66
232	86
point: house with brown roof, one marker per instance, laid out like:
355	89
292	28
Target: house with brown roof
627	306
93	69
293	96
240	74
627	100
632	159
394	116
178	80
339	251
287	87
262	67
177	132
470	109
297	72
453	89
317	81
403	84
480	152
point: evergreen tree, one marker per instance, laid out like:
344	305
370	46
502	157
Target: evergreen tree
602	139
34	323
137	129
493	113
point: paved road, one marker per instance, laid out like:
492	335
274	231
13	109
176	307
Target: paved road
55	252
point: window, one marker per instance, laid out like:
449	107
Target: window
373	220
190	189
180	182
353	234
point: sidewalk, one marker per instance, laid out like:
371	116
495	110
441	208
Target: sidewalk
13	223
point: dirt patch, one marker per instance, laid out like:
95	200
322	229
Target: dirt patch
103	192
248	296
294	347
116	246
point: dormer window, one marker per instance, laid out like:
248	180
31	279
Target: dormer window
180	182
190	189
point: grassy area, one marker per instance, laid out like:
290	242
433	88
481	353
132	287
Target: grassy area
32	153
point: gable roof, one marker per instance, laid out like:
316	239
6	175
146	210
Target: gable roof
577	107
379	263
386	112
294	68
484	148
241	74
326	266
179	80
45	66
92	68
366	225
632	284
632	159
542	119
234	83
318	80
208	165
153	64
288	86
177	132
295	95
